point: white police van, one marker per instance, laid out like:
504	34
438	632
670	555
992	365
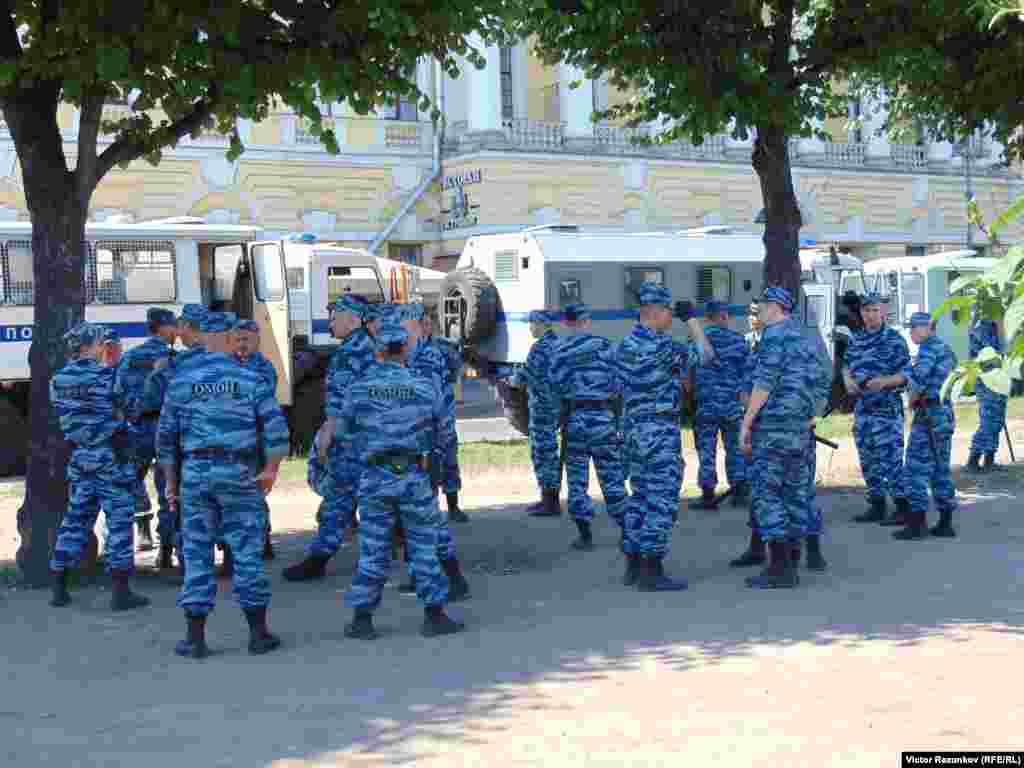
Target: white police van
284	285
500	278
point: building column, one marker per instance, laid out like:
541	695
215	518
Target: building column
577	104
484	90
875	113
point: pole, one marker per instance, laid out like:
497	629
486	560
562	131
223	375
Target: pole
968	151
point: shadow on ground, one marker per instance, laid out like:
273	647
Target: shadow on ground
542	621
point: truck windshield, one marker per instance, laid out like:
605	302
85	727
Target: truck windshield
363	281
913	294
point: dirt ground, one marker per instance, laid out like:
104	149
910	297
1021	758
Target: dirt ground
898	646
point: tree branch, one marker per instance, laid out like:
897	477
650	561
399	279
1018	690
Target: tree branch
90	118
126	148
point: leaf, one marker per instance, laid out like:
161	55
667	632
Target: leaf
970	380
1015	367
957	391
1004	271
947	385
1011	214
964	281
987	354
954	304
1014	318
998	380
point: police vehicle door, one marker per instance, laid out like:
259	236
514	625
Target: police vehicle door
270	311
816	315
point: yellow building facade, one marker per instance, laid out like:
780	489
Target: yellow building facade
518	148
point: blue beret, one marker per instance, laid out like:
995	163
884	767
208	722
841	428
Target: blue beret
871	299
391	333
652	294
577	312
159	316
108	334
82	335
778	295
193	313
920	318
350	302
714	306
247	325
217	322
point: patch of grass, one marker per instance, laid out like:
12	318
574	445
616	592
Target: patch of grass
500	454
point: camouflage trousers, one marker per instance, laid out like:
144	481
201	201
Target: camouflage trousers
222	497
656	466
705	435
879	440
592	434
781	483
338	510
385	498
98	481
452	476
992	417
547	465
923	472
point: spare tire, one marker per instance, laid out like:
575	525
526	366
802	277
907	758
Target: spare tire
516	405
468	308
14	447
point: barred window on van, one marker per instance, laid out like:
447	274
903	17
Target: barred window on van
132	272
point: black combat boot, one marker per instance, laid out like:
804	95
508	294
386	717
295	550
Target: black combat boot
585	542
780	573
795	553
944	529
60	596
990	464
899	515
973	466
549	506
313	567
741	494
145	533
227	565
755	552
436	622
122	598
194	644
260	639
875	513
915	528
361	627
815	562
163	560
455	514
707	500
652	577
632	570
458	587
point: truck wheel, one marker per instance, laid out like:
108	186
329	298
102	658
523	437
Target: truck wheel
470	296
14	446
516	405
306	414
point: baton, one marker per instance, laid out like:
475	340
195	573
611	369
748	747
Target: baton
1006	433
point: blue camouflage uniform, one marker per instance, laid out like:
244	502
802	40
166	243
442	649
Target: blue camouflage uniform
451	476
878	416
350	361
789	370
991	405
392	420
544	412
129	386
101	471
925	377
651	367
223	420
586	386
719	409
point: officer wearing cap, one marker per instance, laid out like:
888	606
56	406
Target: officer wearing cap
101	473
129	387
350	316
189	331
543	423
651	368
931	433
221	439
588	392
426	361
392	419
719	410
789	387
991	405
874	360
451	475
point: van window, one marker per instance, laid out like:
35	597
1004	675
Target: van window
913	294
362	281
225	267
296	278
714	283
852	281
132	272
19	280
266	265
637	276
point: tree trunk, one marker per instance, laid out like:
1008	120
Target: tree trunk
782	227
58	208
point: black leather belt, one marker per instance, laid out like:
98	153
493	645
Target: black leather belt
592	404
400	462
